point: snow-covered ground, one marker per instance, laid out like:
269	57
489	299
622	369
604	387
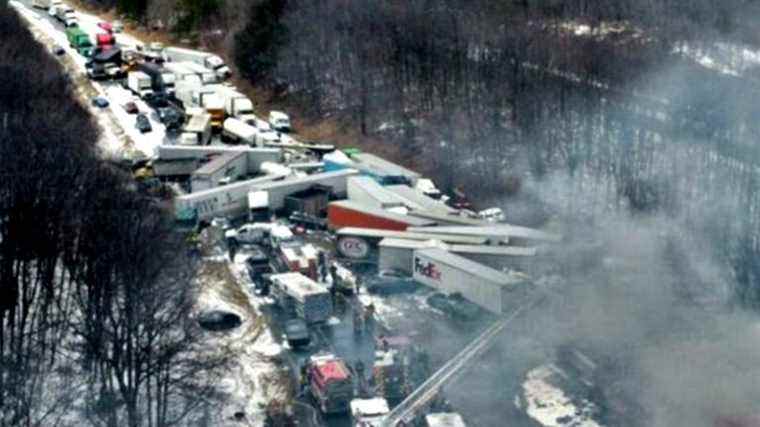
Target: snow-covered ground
253	378
550	406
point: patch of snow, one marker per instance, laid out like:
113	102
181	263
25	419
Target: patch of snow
550	406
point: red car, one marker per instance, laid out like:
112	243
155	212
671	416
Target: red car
131	108
106	26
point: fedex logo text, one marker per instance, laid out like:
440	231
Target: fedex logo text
427	269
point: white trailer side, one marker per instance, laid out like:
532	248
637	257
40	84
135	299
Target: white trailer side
255	156
226	200
482	285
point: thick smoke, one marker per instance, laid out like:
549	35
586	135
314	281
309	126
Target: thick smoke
644	290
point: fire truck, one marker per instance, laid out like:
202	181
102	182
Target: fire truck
330	382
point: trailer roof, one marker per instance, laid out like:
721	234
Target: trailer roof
424	202
378	192
451	218
504	230
390	242
492	250
298	285
472	267
384	165
218	162
377	233
369	210
306	179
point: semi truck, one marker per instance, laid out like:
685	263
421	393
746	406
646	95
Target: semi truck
237	105
197	131
162	80
330	382
105	41
140	84
239	132
208	77
212	103
80	41
297	293
63	11
181	72
210	61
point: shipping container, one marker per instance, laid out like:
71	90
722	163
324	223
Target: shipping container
278	191
367	191
350	214
224	168
482	285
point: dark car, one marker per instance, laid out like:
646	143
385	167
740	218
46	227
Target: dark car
143	124
258	267
389	282
131	108
99	102
297	333
455	305
218	320
171	117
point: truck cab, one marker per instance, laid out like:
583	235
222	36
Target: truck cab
330	383
279	121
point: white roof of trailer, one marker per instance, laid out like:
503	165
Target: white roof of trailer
377	233
376	162
504	230
369	210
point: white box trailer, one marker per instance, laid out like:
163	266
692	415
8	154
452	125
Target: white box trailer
208	60
237	105
489	288
207	76
197	130
278	191
224	168
311	301
227	200
239	132
182	73
140	84
398	254
365	190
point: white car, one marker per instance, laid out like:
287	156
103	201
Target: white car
279	120
248	233
492	215
117	26
53	11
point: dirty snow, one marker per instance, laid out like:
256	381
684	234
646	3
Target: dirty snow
550	406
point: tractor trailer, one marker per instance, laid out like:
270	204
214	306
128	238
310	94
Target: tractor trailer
210	61
140	84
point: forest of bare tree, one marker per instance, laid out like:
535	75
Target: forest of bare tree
95	291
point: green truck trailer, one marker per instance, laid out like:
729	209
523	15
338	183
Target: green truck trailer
80	41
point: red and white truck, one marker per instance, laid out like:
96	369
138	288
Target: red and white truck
330	382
